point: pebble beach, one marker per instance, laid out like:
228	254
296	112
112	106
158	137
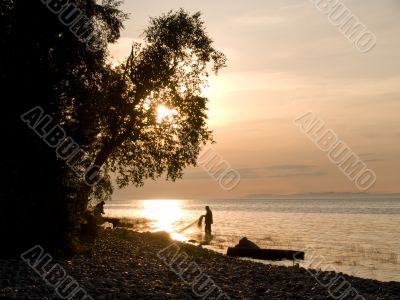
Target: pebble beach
124	264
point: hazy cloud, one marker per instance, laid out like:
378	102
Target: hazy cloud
276	171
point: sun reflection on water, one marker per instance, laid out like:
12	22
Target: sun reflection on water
164	214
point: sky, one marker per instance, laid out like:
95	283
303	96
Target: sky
286	58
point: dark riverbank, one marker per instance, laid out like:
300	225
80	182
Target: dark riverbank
129	265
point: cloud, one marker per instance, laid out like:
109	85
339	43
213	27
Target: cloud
256	20
317	173
290	167
372	160
196	175
271	14
278	171
370	157
273	171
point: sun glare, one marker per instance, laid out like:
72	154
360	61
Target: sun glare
163	212
165	114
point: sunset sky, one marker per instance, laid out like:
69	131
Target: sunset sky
285	59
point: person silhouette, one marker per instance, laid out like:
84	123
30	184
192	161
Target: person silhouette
98	212
99	209
208	220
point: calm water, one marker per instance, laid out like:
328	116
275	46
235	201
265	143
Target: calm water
357	237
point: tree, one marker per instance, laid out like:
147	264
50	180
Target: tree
130	119
162	102
152	101
42	63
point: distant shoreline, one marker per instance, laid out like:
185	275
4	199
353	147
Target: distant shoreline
320	196
308	196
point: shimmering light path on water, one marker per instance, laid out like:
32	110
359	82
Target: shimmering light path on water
360	237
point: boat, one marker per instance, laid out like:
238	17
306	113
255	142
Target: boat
265	254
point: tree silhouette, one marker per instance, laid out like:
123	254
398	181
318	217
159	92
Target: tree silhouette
168	70
42	63
129	118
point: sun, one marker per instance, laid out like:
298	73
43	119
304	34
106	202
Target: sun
164	212
165	114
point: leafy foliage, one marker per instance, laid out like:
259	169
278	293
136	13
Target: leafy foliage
130	118
169	71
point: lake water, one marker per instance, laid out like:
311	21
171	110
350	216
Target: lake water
360	237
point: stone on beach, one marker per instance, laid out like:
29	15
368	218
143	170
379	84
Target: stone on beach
247	244
124	264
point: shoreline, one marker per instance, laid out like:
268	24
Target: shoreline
124	264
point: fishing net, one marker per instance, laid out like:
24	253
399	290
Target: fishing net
200	222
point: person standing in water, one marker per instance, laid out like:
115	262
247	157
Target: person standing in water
208	220
99	209
98	212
